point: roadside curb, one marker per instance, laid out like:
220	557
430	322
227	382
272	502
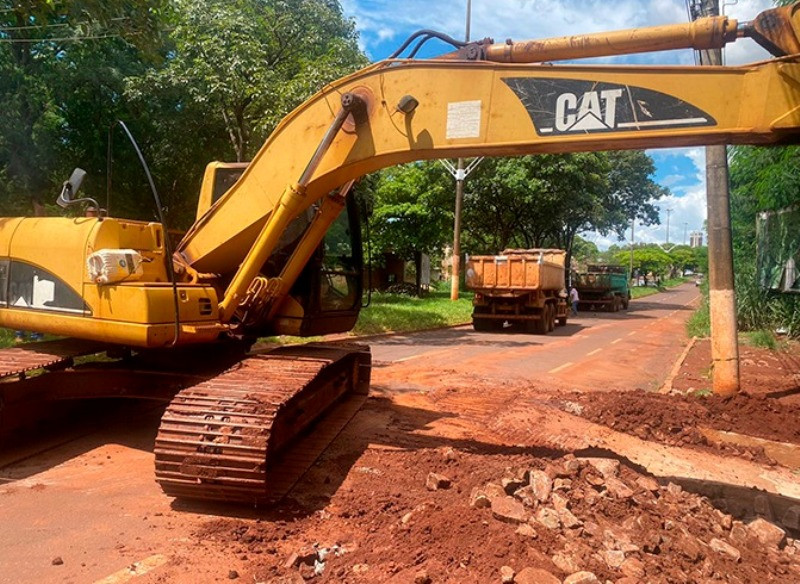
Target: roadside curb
667	387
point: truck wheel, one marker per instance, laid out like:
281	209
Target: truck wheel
539	327
551	318
562	321
626	301
615	304
485	325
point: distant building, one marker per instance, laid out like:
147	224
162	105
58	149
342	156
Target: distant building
696	239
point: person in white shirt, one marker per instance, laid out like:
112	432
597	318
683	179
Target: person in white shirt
574	299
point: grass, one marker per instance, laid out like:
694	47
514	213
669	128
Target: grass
763	338
399	313
642	291
402	313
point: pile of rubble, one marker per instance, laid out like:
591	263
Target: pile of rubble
607	523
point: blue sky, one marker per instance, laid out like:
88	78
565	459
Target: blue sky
383	25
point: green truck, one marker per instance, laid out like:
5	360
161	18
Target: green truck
603	286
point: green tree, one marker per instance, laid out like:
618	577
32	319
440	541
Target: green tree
412	212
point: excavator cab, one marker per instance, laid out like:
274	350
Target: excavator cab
327	296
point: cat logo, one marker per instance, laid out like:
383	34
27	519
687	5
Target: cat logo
570	106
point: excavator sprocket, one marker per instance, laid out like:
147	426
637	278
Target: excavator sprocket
246	435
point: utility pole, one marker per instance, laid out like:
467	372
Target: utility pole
630	273
722	297
669	212
460	175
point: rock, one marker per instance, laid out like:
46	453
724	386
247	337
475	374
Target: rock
562	484
507	575
618	489
422	577
560	502
565	563
508	510
648	484
613	558
767	533
674	489
360	568
738	532
57	561
725	549
233	574
526	496
568	519
689	547
511	485
569	467
632	568
592	529
434	482
581	578
608	467
526	530
493	490
548	517
449	454
478	499
535	576
725	520
541	484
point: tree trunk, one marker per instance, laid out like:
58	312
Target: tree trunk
418	272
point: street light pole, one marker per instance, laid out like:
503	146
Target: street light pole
460	176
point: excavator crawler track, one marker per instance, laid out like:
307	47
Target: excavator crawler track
243	436
50	354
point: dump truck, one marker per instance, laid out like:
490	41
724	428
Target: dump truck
603	286
523	287
276	249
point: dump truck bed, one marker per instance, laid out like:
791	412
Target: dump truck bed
517	270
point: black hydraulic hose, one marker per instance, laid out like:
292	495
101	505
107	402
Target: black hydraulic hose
418	46
429	34
167	244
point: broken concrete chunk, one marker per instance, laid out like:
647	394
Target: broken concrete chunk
478	499
560	502
526	496
526	530
493	490
511	485
548	517
767	533
434	482
614	558
738	532
568	519
541	484
535	576
618	489
632	568
648	484
507	575
725	549
509	510
608	467
581	578
565	562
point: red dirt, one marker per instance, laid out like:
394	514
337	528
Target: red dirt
764	372
394	530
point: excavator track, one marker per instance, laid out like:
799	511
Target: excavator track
28	357
244	435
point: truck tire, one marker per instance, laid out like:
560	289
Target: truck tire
562	321
551	318
615	304
486	325
539	327
626	301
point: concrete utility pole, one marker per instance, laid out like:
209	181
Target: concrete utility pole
460	175
722	297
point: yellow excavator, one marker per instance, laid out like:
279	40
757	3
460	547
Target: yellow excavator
276	249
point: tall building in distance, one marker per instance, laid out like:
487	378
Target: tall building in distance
696	239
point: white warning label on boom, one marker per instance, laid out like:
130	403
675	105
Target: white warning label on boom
463	119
